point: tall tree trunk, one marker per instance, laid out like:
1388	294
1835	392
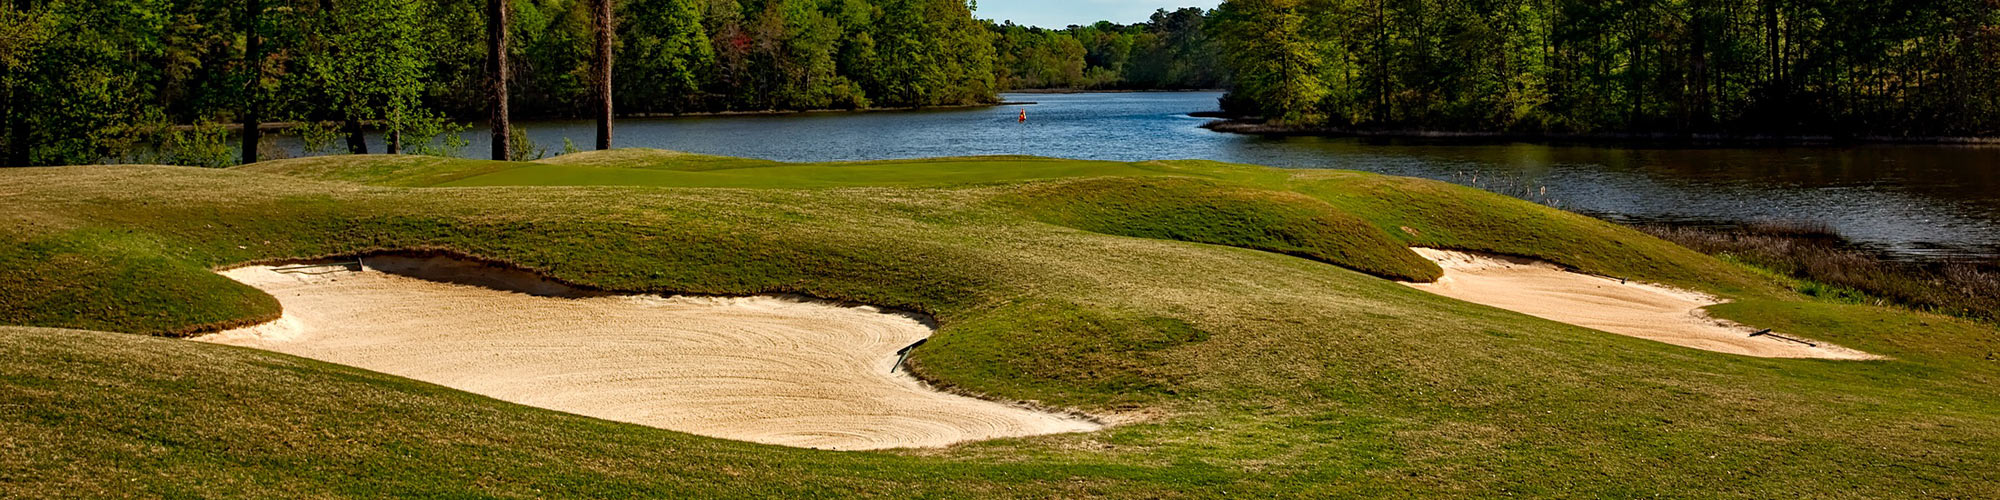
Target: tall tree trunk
393	141
16	121
1771	42
496	76
17	141
1635	73
604	111
357	137
14	112
253	87
6	117
7	123
1381	63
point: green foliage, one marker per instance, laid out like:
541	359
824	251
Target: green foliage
365	56
1529	66
433	134
21	33
82	73
316	137
402	66
202	145
1275	64
1576	66
1170	51
524	147
664	57
931	52
1031	59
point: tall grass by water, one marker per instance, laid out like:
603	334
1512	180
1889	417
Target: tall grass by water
1827	264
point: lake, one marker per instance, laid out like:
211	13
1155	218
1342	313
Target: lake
1915	202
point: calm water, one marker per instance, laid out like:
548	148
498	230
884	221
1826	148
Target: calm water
1924	202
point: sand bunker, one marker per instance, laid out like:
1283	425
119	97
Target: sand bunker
763	369
1645	311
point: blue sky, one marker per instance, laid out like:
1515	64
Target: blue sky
1061	13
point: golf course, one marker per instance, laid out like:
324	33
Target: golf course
647	323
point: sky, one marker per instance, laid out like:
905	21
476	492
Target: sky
1062	13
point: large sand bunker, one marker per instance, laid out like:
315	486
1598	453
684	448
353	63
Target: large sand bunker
763	369
1645	311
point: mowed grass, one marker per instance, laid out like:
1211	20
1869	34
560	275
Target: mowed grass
673	169
1236	319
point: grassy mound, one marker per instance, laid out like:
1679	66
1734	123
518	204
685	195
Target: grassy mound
1411	211
383	170
1443	215
1170	295
1203	212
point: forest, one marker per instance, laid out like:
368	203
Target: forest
1782	67
152	80
1170	51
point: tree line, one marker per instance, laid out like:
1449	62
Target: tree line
1172	50
1791	67
88	80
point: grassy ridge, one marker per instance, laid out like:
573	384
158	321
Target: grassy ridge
1245	372
1439	214
1410	211
1200	211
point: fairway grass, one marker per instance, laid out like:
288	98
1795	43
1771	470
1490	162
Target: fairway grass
1242	325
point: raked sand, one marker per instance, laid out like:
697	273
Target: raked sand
1640	310
763	369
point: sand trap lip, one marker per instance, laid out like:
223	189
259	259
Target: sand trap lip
764	369
1646	311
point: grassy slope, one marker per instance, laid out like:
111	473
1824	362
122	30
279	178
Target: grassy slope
1261	374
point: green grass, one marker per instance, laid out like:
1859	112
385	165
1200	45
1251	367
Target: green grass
671	169
1235	315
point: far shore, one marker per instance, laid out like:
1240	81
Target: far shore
1252	126
288	125
1101	91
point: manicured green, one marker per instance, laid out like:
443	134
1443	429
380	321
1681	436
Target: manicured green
1243	363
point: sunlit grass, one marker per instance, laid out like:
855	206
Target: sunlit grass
1234	318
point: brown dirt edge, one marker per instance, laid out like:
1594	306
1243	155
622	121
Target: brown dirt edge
1106	419
192	331
577	289
1253	126
1491	253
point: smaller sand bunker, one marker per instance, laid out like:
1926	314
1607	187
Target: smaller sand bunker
1646	311
764	369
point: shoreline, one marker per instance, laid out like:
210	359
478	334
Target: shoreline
288	125
1259	127
779	112
1102	91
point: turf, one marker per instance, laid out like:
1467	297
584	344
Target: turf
1235	317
